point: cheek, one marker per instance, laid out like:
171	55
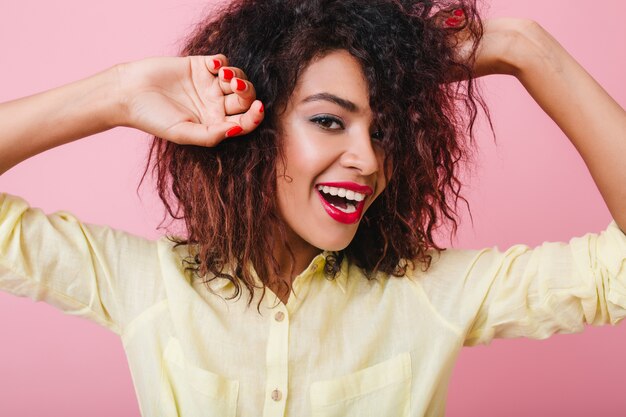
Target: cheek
306	158
296	177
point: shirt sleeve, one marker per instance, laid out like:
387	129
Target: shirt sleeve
105	275
556	287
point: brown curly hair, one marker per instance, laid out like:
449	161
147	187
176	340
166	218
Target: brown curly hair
226	194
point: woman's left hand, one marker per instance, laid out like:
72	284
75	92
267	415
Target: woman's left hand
592	120
497	51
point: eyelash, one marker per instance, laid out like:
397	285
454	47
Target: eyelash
324	119
319	120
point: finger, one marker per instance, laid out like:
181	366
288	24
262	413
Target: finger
450	18
215	62
226	76
455	18
249	120
191	133
243	96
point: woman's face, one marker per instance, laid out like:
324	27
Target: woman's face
328	143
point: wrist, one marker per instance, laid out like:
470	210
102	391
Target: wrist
103	97
506	46
119	95
531	47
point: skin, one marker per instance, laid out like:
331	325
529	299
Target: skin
319	149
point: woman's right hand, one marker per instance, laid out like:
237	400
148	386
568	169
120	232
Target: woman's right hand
194	100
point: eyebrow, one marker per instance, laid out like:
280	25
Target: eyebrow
346	104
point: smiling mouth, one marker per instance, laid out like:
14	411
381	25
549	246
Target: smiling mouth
345	200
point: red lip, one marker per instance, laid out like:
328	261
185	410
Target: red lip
363	189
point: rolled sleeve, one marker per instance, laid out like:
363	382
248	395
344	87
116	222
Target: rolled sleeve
95	272
556	287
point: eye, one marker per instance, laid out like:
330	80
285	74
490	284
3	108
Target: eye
378	135
328	122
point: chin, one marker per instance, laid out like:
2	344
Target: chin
334	248
334	245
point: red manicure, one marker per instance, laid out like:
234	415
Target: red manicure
234	131
458	12
452	21
228	74
240	85
217	64
262	109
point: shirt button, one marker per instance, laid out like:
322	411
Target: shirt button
277	395
280	316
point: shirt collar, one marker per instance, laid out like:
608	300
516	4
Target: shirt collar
318	264
342	276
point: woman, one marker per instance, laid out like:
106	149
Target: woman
345	107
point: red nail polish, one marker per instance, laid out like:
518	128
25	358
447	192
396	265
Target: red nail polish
452	21
228	74
262	109
256	123
458	12
217	64
234	131
240	85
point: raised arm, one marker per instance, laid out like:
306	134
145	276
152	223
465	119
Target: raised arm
591	119
34	124
186	100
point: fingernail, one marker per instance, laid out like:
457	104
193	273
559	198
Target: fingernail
458	12
234	131
256	123
240	85
217	64
452	21
262	109
228	74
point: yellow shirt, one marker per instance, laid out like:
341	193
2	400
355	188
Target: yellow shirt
346	347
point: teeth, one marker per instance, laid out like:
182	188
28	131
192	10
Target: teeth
342	192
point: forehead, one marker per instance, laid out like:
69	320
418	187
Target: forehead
338	73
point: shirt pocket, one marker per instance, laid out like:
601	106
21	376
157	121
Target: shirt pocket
380	390
188	390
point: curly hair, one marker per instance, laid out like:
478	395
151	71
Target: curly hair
227	193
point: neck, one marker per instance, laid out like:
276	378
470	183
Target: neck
303	253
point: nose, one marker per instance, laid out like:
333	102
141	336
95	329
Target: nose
360	153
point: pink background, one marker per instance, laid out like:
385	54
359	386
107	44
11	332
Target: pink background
532	187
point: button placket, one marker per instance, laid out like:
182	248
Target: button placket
277	359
